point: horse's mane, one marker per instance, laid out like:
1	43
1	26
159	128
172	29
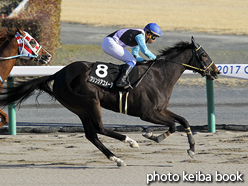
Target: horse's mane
173	51
5	35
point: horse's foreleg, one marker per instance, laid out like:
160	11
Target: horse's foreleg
168	118
187	129
163	119
191	150
159	138
4	118
185	124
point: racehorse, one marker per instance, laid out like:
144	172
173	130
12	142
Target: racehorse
148	99
15	45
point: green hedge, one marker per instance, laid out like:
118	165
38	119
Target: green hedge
42	20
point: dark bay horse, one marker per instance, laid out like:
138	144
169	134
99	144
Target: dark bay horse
148	100
12	46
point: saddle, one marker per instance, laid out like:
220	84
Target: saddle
106	74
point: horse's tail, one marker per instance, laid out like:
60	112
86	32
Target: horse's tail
25	89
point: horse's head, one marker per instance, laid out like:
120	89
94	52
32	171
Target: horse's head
28	45
205	66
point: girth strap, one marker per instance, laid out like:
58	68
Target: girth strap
120	102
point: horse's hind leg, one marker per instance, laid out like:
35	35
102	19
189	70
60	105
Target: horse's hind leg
118	136
91	135
92	122
97	120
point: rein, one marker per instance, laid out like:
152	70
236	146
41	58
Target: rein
183	64
196	68
147	70
21	55
203	70
193	67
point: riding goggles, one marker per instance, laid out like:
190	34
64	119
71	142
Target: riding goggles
153	37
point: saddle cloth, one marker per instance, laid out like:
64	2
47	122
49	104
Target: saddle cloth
106	74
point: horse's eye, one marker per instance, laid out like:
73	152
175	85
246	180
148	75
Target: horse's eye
32	43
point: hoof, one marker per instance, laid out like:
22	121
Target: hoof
191	153
147	135
120	163
134	144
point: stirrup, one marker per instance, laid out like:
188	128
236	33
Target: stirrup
127	85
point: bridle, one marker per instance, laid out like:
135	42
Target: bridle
26	48
205	70
196	53
26	51
22	54
24	43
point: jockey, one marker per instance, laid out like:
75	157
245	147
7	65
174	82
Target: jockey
115	44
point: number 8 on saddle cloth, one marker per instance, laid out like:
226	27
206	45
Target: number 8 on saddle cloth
105	74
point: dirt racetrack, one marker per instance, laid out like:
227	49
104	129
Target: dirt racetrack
70	159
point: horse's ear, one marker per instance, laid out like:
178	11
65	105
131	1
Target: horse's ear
193	41
20	31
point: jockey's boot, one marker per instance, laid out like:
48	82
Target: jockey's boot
122	80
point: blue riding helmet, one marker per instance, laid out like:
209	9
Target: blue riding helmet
154	29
